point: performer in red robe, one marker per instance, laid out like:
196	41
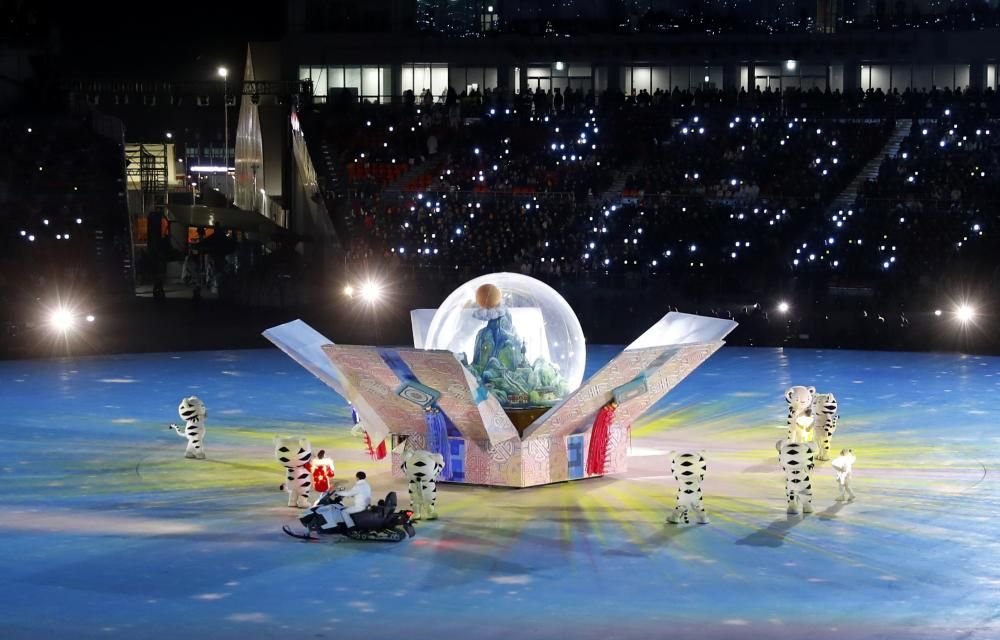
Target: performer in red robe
322	471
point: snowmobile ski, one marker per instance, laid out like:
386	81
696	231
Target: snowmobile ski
300	536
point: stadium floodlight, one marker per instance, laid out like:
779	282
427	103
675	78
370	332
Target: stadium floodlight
783	307
371	292
61	320
965	313
791	65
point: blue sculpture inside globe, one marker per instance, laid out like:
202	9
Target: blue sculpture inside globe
517	335
500	362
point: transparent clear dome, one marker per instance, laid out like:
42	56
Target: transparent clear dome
545	328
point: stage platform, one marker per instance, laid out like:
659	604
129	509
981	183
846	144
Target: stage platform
107	532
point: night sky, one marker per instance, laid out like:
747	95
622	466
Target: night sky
175	40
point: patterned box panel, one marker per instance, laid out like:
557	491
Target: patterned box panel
494	453
617	451
495	421
664	379
376	383
416	440
477	462
577	412
505	463
542	457
558	460
536	461
442	371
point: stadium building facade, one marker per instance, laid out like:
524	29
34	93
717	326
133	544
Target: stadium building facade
383	65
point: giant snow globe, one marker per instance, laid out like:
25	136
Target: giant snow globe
517	335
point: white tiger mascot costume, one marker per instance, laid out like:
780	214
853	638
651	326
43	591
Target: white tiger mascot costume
295	454
800	401
422	468
193	412
825	410
797	460
689	471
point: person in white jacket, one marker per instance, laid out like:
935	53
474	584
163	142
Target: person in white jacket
844	466
362	494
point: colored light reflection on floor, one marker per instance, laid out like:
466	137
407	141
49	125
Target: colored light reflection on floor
107	531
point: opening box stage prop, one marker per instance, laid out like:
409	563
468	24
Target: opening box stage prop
391	388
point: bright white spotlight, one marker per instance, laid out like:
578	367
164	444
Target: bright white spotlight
90	317
371	292
62	320
783	307
223	72
937	312
349	291
791	65
965	313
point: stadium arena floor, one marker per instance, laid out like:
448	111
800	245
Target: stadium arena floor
106	531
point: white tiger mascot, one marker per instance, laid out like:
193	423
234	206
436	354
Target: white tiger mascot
193	412
800	401
295	454
689	471
422	468
825	410
797	460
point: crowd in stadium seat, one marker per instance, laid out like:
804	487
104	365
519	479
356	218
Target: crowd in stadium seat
739	159
712	195
549	176
451	108
62	198
932	209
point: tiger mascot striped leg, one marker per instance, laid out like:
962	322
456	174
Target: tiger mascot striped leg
295	455
797	460
827	417
689	471
422	469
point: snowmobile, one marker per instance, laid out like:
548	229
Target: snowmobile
379	523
